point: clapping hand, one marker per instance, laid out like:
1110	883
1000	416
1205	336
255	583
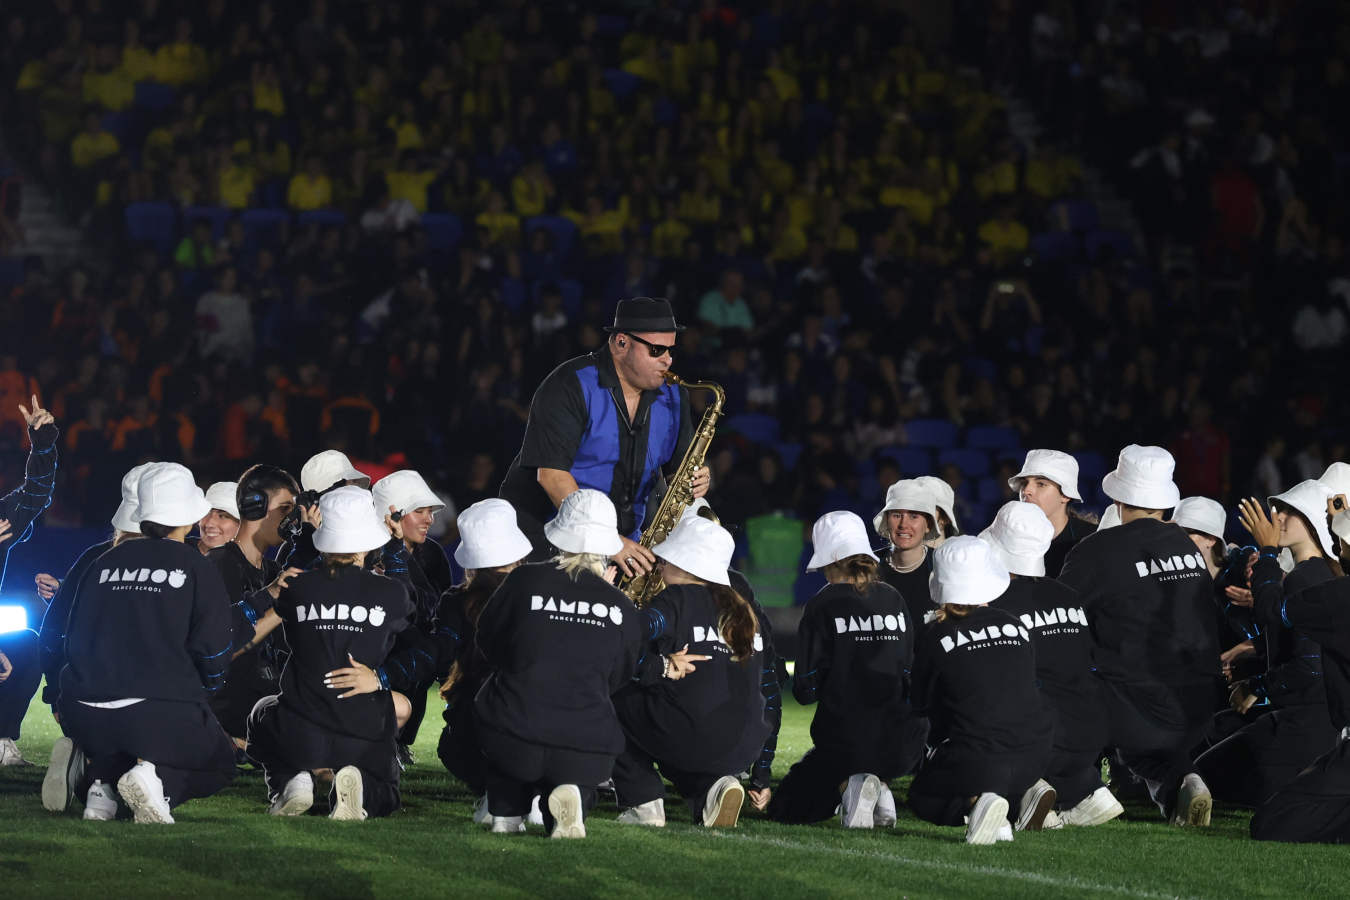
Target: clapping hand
1264	529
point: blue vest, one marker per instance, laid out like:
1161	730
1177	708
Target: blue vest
596	459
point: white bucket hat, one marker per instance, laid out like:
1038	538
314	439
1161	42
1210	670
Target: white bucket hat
1310	498
967	572
168	495
692	510
908	494
326	468
350	523
944	498
701	548
586	523
838	535
1020	534
405	491
1201	514
223	496
1336	479
1143	478
488	535
127	518
1053	465
1110	518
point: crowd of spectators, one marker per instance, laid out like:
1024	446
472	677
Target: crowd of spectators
388	220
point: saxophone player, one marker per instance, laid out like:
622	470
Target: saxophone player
608	421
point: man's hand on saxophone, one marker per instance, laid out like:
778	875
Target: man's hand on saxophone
701	481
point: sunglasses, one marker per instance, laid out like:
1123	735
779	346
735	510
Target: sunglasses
656	350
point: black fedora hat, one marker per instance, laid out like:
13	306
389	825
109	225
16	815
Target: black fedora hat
644	314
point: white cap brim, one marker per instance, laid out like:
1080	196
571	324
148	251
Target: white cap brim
511	548
127	517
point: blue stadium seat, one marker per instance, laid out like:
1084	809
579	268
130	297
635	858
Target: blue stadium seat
988	491
563	229
1074	215
993	437
325	218
153	223
443	231
938	434
611	26
913	461
154	96
513	294
789	454
571	297
1092	466
978	367
758	428
1118	242
665	112
11	271
1054	246
972	463
121	124
218	216
620	83
264	227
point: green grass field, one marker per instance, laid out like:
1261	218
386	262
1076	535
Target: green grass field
228	847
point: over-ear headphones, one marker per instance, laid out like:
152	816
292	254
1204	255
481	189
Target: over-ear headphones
253	505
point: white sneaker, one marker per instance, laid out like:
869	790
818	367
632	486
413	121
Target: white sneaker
1037	803
65	769
295	798
859	801
350	790
722	809
883	814
481	816
10	755
508	825
535	816
564	803
652	813
100	804
1097	808
1005	833
142	790
1194	803
1052	822
987	816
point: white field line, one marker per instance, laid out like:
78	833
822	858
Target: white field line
1069	884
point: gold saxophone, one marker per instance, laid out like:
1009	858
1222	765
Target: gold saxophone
679	494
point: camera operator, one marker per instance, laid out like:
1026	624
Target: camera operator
324	471
265	497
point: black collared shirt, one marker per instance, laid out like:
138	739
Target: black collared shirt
562	434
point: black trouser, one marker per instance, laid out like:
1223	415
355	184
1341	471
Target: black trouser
417	699
518	771
1074	765
16	691
459	748
809	792
1314	808
286	744
1153	727
955	772
192	755
1263	757
249	679
636	780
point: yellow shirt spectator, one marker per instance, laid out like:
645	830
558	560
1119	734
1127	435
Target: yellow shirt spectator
502	227
139	63
89	147
112	90
410	186
530	196
180	63
267	98
702	208
408	136
919	202
236	185
668	238
1004	237
308	191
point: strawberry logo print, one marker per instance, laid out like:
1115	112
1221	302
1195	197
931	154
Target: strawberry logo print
177	578
377	616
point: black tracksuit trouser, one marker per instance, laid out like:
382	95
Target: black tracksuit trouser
1247	767
956	771
518	771
1153	727
286	744
1314	808
16	691
459	749
191	753
636	781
